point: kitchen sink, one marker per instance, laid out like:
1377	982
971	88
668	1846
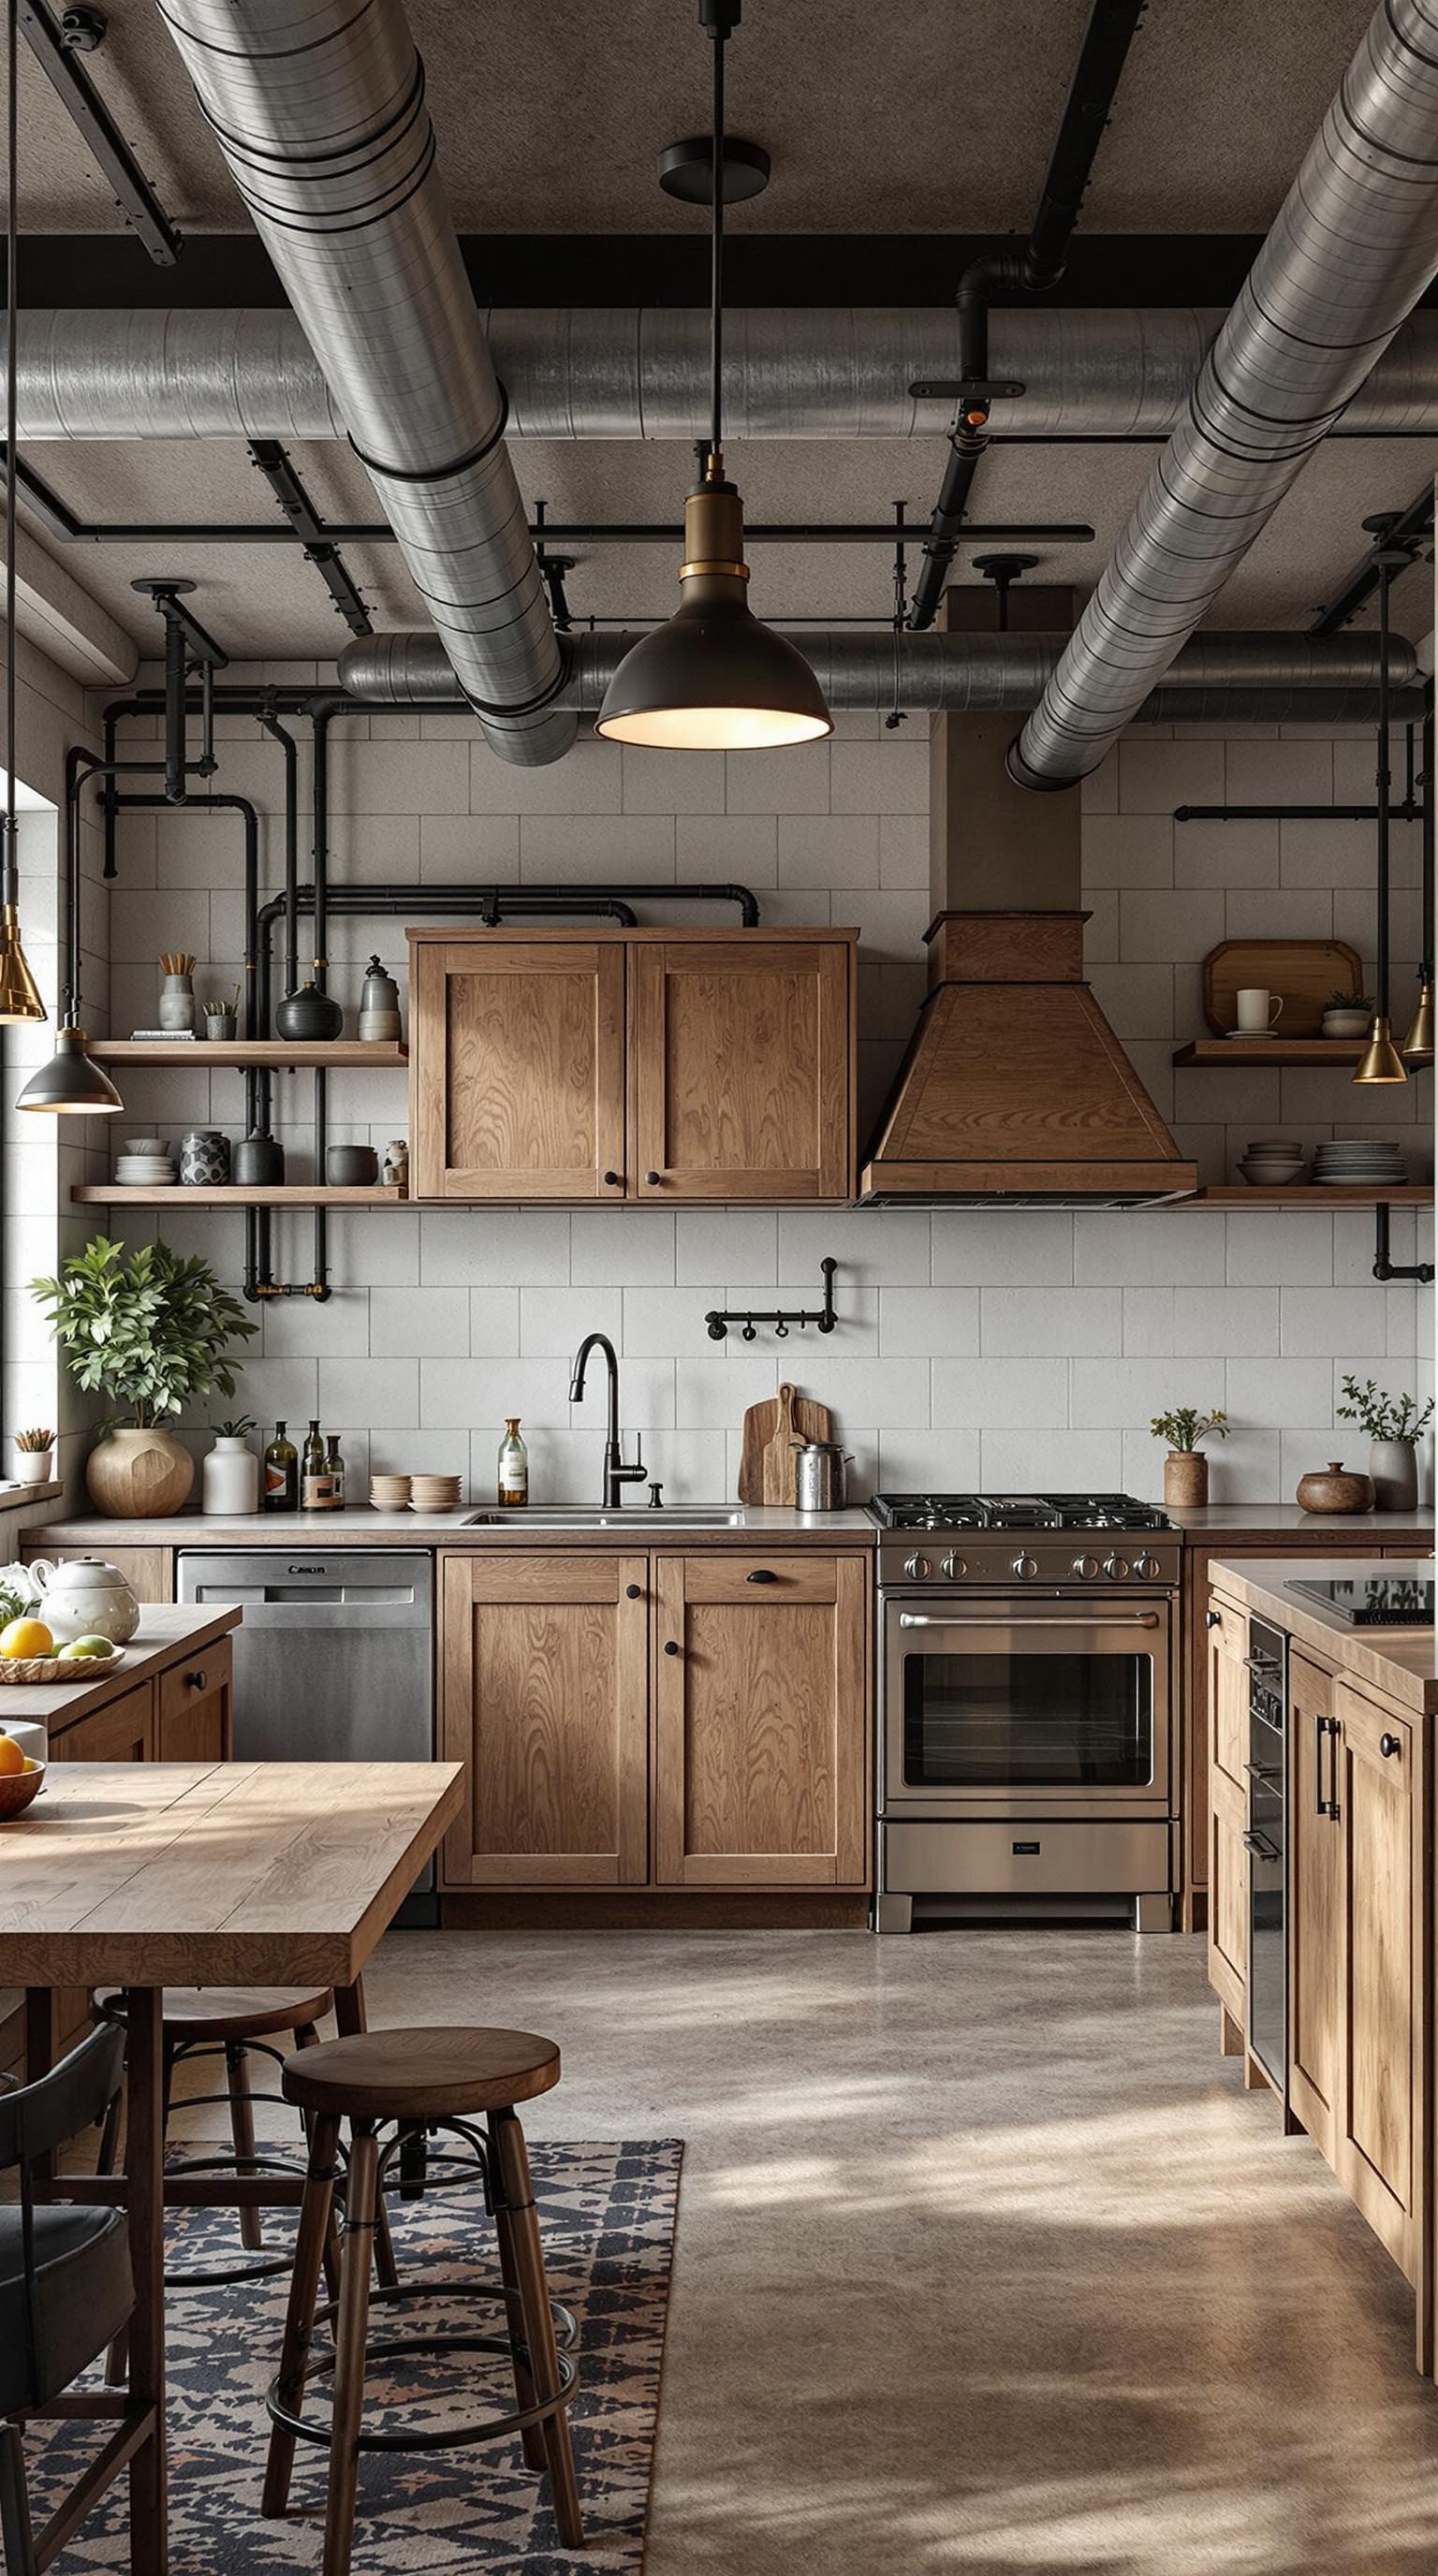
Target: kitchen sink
578	1516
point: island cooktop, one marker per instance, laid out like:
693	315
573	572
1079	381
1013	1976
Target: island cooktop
1374	1600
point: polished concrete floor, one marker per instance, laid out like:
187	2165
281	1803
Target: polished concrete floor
985	2261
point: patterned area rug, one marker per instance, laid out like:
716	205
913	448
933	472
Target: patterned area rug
607	2216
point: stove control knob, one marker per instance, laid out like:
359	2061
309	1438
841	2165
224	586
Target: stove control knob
1024	1566
1086	1568
953	1566
1115	1567
1146	1567
916	1568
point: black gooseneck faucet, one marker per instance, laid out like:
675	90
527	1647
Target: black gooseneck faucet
616	1473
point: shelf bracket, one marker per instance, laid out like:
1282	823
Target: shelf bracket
1385	1270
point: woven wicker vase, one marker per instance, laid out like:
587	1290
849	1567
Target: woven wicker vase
1185	1479
139	1475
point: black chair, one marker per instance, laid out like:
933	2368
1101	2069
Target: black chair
65	2292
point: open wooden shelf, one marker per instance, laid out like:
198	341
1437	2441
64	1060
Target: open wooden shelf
1310	1194
234	1194
321	1054
1275	1052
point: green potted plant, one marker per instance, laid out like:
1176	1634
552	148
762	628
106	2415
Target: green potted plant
34	1456
1394	1427
1185	1469
222	1014
1347	1015
150	1330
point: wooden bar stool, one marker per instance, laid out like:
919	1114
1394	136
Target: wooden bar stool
419	2080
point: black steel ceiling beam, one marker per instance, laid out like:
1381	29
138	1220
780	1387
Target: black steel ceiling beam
305	524
1411	528
91	118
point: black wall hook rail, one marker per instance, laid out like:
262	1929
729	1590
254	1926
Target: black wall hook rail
783	1318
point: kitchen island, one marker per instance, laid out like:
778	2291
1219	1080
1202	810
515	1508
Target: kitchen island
1337	1920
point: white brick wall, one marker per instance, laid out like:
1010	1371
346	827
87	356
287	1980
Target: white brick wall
974	1345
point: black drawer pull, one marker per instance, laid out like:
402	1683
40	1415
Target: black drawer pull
761	1574
1388	1745
669	1646
631	1591
197	1681
651	1180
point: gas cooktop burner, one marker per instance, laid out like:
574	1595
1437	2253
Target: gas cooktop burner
1016	1512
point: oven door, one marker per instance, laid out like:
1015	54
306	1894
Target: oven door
1054	1708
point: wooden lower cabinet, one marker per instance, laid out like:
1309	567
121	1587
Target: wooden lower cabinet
1315	1943
760	1749
1228	1901
122	1731
192	1709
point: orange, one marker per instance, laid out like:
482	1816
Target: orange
26	1637
11	1757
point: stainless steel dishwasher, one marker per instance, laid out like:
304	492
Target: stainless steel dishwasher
334	1658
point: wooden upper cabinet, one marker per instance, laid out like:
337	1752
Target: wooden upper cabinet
517	1068
761	1721
544	1681
742	1068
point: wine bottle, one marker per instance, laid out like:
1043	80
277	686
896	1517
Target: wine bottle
335	1468
314	1473
513	1467
282	1473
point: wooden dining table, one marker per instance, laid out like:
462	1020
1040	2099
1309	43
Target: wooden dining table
147	1875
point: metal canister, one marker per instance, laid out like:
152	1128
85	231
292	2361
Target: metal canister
820	1484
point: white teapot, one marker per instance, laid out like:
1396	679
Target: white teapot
85	1598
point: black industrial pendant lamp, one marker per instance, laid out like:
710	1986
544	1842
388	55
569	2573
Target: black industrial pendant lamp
19	993
1381	1060
714	678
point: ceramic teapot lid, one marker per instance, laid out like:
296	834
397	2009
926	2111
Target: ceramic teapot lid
87	1573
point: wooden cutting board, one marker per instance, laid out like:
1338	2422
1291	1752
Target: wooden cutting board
1304	971
766	1459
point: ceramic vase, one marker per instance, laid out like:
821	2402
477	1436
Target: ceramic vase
1393	1466
258	1161
1334	1488
205	1159
139	1475
1185	1479
177	1004
309	1014
230	1478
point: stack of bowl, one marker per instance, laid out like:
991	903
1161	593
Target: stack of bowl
146	1163
1273	1162
435	1493
389	1493
1360	1162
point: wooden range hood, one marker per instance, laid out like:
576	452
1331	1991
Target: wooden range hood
1014	1090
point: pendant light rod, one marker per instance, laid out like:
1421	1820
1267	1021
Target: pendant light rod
11	889
719	18
1381	1061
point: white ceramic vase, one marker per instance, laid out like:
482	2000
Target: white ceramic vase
33	1466
231	1478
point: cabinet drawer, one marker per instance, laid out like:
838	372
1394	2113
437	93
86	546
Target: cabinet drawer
192	1708
122	1732
775	1577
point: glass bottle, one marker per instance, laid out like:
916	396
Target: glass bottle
282	1473
335	1467
314	1473
513	1467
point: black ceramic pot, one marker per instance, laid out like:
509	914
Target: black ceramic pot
309	1013
258	1161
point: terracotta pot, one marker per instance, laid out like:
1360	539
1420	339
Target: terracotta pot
1335	1488
139	1475
1185	1479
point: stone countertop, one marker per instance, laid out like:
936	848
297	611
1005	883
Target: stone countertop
167	1631
1234	1520
447	1529
1399	1662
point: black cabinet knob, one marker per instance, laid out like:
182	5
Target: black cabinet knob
613	1180
1215	1619
761	1574
197	1681
652	1180
669	1646
1388	1745
631	1591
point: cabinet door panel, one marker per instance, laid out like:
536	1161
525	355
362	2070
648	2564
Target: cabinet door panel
1315	1942
1376	2126
517	1069
545	1699
121	1732
741	1069
192	1708
1228	1899
1228	1689
762	1727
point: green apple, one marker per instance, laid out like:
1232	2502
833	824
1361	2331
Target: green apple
87	1650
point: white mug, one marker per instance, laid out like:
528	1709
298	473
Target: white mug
1257	1007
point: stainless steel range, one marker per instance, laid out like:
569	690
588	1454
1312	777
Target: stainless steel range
1028	1669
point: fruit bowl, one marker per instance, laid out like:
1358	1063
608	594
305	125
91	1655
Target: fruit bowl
18	1788
57	1668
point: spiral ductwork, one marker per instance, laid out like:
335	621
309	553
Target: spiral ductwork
319	109
1353	248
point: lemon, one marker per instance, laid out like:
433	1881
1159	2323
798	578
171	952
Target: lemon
26	1637
87	1650
11	1757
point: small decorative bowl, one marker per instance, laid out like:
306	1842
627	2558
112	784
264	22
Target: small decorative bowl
19	1788
351	1166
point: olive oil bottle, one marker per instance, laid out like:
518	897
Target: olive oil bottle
513	1467
282	1473
314	1473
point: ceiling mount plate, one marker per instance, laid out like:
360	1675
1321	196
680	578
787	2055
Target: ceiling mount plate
686	170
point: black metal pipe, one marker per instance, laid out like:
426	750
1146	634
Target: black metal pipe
1407	812
290	748
92	120
1383	782
175	787
1410	528
1425	970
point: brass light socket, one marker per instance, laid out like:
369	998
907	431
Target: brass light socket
714	532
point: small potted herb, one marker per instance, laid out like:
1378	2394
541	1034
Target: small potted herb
222	1014
1185	1469
1394	1427
34	1456
1347	1015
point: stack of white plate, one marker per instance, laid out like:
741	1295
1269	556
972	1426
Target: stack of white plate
146	1164
435	1493
1359	1162
389	1493
1273	1162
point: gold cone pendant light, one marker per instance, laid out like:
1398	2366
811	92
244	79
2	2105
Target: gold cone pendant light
713	678
1381	1060
19	993
1419	1040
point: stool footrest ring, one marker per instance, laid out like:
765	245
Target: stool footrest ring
492	2428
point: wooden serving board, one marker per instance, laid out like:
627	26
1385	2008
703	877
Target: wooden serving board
1304	971
766	1458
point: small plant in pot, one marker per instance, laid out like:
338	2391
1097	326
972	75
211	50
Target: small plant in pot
1347	1015
1394	1426
230	1478
34	1456
222	1014
151	1330
1185	1469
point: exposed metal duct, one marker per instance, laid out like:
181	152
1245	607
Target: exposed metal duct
318	106
1234	679
1354	246
626	373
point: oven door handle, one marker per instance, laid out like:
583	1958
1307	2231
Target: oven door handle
1003	1619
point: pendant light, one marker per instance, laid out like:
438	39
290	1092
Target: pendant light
19	993
1381	1059
714	678
1419	1041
